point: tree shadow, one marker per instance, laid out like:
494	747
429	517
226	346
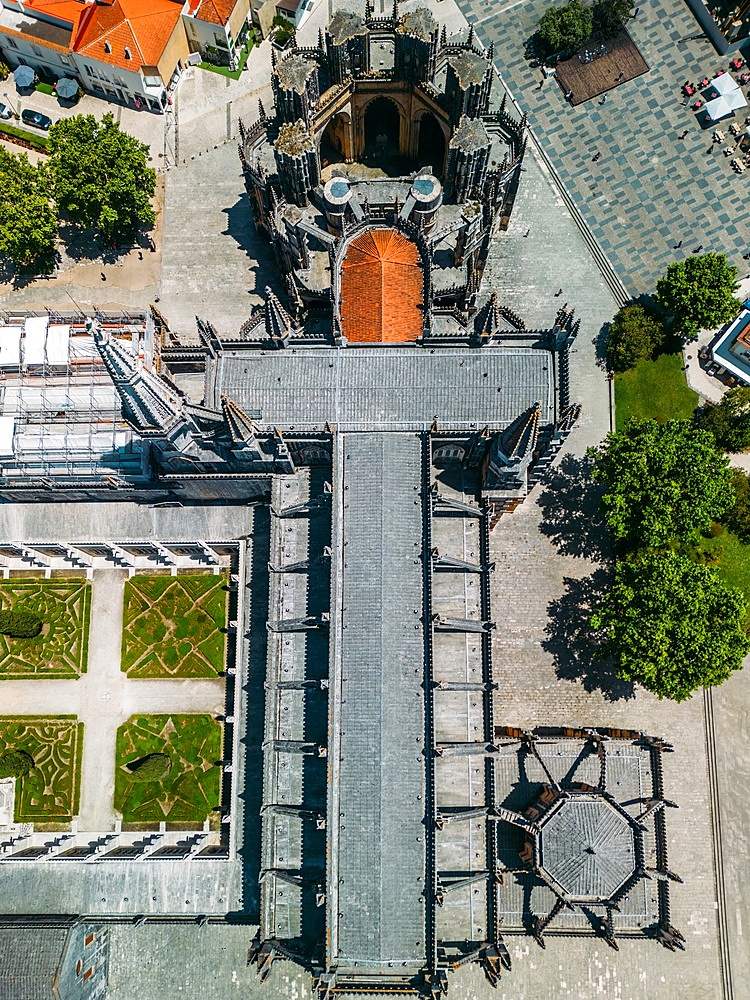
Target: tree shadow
574	645
571	509
600	346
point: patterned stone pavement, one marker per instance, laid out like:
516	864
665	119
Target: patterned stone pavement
648	190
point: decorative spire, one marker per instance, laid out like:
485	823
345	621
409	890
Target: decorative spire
518	441
443	36
279	325
491	52
261	109
242	428
321	40
395	13
148	403
471	35
491	319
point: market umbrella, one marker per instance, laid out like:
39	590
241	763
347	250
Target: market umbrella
24	77
67	88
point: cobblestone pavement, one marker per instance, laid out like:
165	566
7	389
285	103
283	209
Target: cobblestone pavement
649	189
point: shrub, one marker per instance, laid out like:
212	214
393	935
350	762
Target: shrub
152	767
20	624
4	70
15	763
738	518
634	335
283	30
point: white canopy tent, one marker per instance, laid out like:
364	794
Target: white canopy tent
725	105
724	84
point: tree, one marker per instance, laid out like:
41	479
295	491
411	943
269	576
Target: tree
100	174
566	28
738	518
663	482
28	227
634	335
729	420
152	767
15	763
699	293
610	16
672	625
20	624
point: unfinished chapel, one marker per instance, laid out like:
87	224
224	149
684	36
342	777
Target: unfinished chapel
383	408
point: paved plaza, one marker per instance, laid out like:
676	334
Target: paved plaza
649	189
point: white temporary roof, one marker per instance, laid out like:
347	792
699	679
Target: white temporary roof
720	107
36	333
10	346
58	339
724	84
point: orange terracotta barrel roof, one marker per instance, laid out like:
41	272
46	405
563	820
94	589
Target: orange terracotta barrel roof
381	289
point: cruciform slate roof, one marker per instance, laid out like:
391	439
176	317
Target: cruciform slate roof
142	26
381	289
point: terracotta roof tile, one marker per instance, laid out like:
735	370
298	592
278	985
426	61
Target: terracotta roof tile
69	11
143	26
381	289
215	11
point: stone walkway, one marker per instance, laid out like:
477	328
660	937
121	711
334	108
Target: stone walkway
104	698
649	189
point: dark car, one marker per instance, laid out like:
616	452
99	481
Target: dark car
35	118
5	111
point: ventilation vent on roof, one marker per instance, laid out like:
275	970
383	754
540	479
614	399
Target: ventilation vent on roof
107	46
128	53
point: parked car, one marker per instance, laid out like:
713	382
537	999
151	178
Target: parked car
5	112
35	118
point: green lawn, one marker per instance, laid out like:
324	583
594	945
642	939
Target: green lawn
654	390
51	790
191	790
233	74
61	649
172	626
731	558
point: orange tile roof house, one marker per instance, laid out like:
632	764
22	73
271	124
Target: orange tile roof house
128	50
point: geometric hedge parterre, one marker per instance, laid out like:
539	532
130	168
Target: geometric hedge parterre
171	626
51	790
60	649
192	788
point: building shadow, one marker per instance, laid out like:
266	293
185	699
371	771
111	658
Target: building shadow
573	643
252	740
572	516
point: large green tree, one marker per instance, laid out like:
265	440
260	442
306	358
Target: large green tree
565	28
663	482
729	420
699	293
610	16
634	335
28	228
100	174
672	625
738	518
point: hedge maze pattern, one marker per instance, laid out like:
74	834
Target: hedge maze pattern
172	626
51	790
191	790
60	650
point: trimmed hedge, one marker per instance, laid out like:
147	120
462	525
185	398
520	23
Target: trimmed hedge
38	142
152	767
20	624
15	763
